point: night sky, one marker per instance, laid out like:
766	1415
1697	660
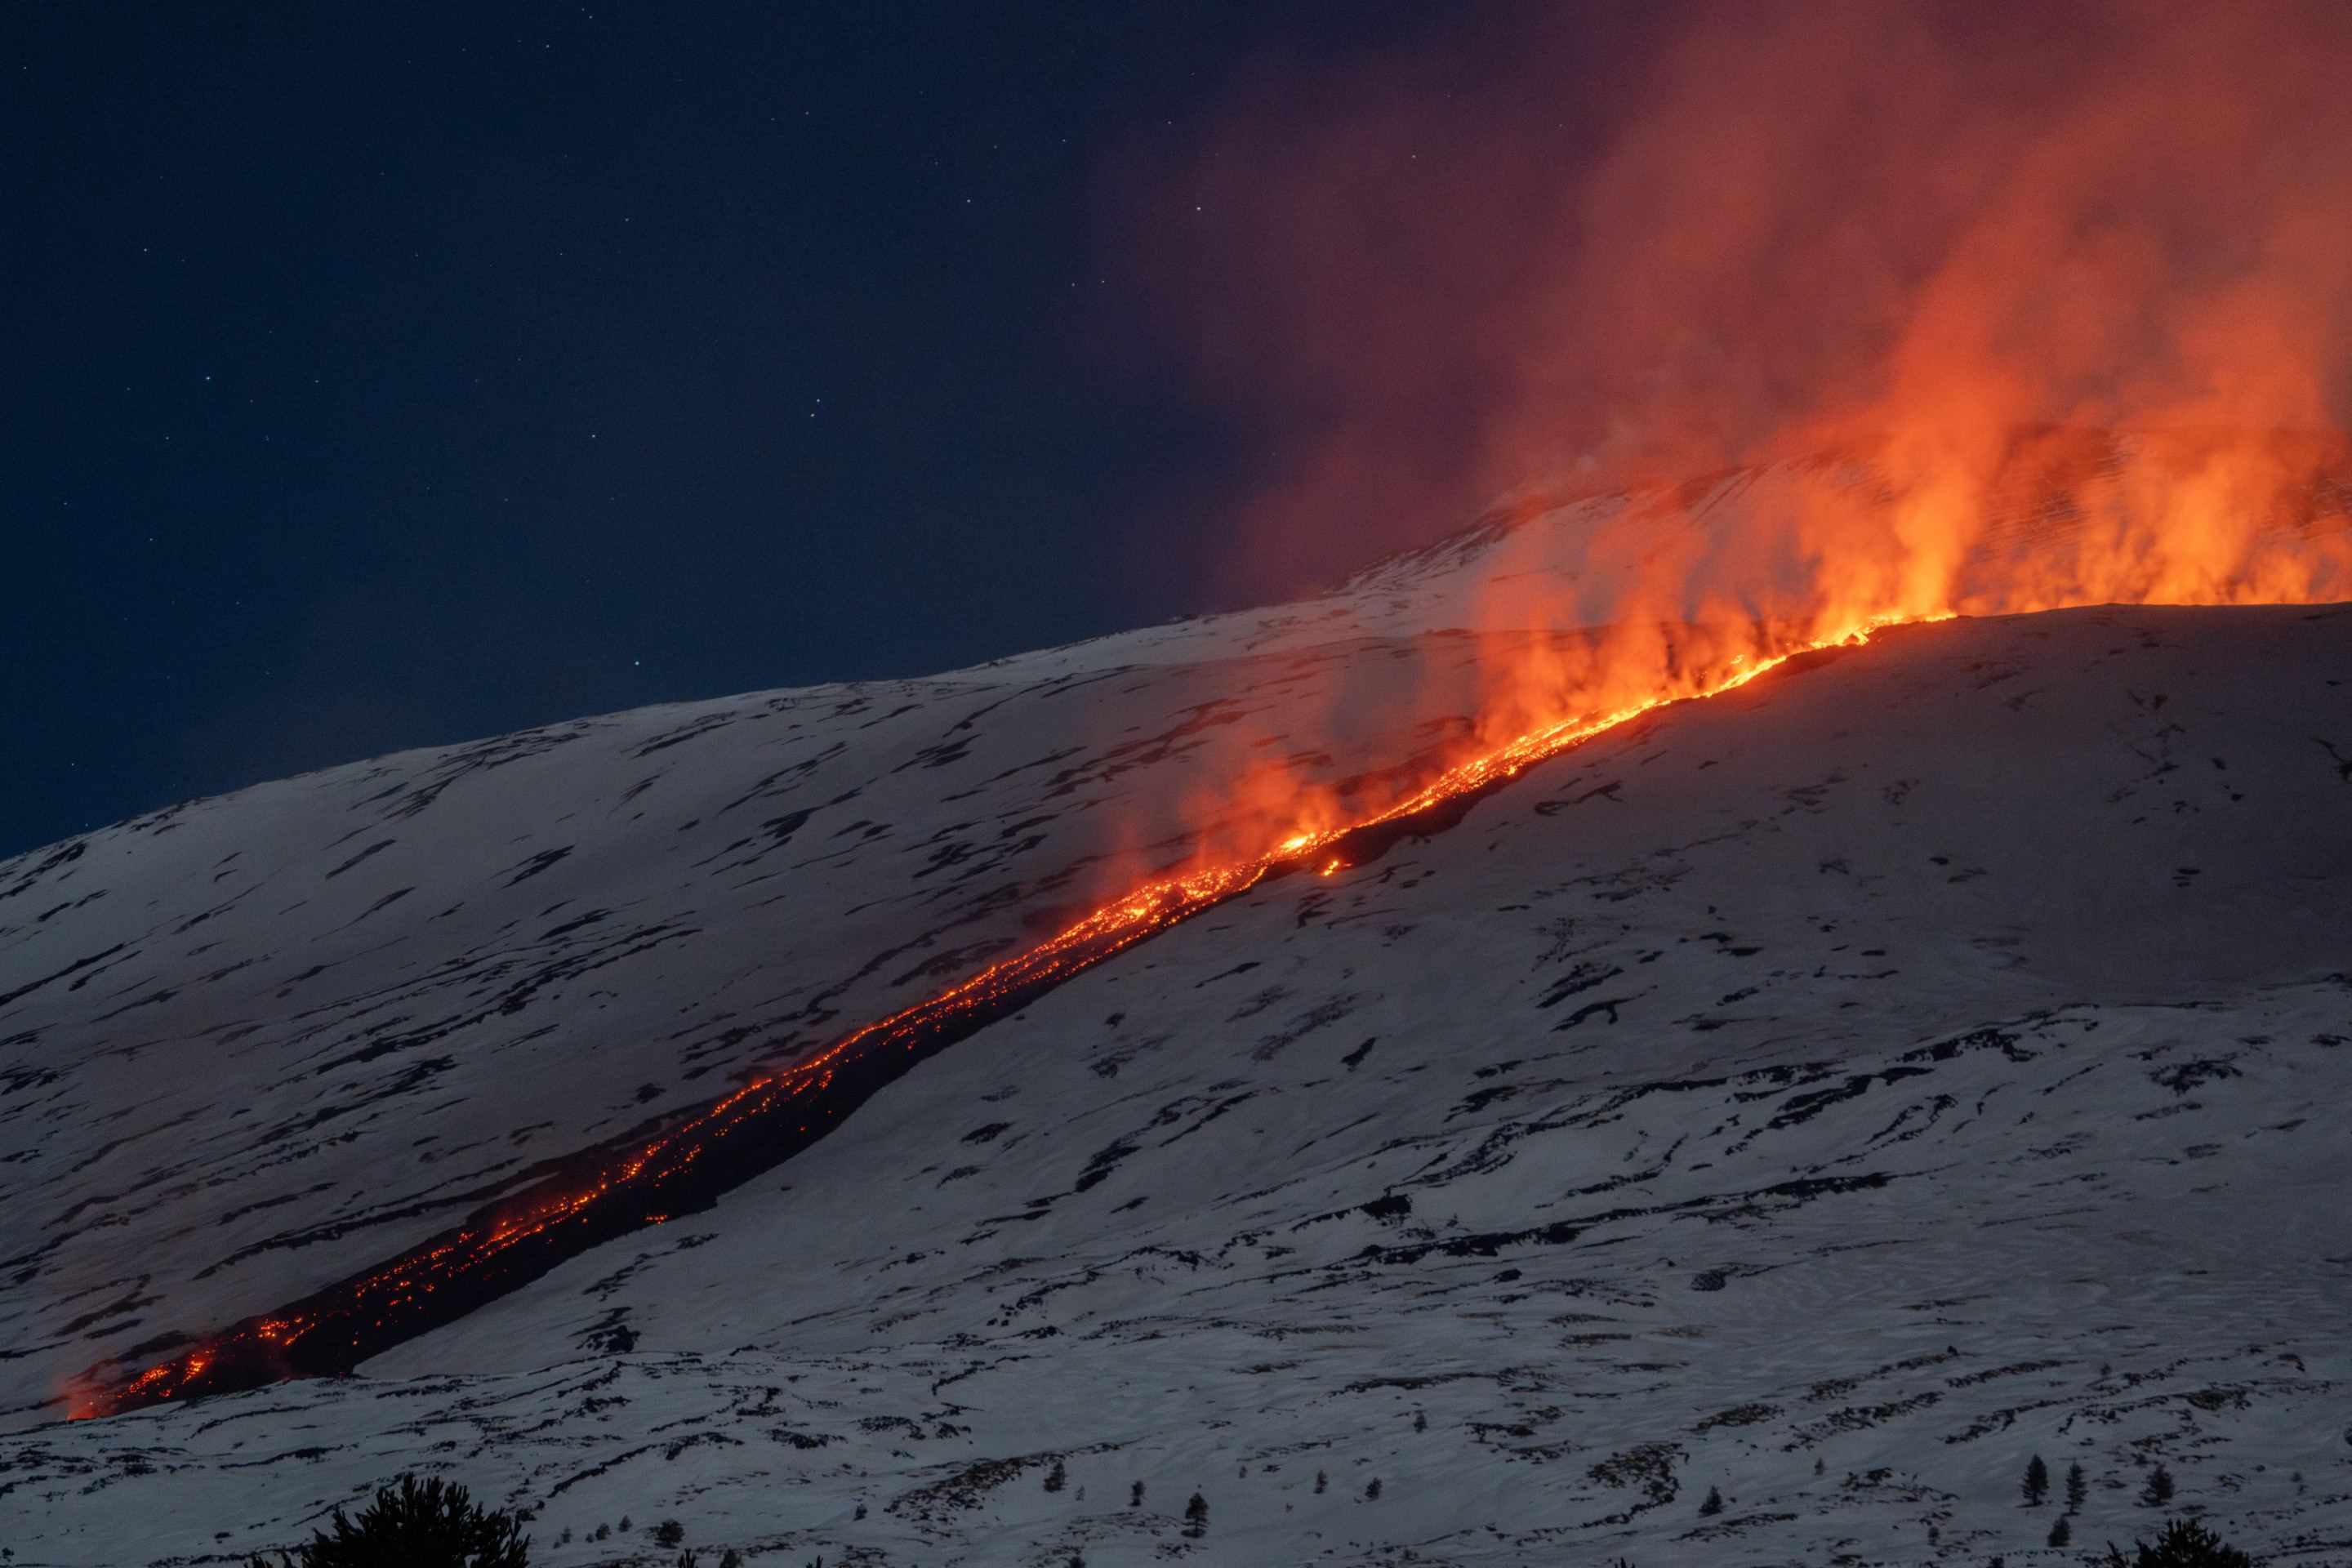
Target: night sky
381	376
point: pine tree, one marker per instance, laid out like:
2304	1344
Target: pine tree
429	1524
1321	1480
1420	1421
2060	1532
1057	1477
1135	1495
1714	1503
1196	1516
2184	1544
2158	1490
1372	1489
2037	1482
2078	1487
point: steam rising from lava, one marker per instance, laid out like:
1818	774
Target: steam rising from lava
1488	261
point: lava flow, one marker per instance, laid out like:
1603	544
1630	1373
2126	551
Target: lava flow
2071	325
775	1117
2210	517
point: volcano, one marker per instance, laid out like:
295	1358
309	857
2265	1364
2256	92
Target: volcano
1830	1087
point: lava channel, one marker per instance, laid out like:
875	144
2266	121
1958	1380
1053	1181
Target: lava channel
606	1193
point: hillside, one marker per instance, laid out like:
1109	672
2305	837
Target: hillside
1832	1092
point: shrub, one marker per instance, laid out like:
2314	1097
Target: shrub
428	1524
669	1532
2060	1533
2185	1543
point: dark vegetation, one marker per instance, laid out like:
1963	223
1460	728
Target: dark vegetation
434	1524
2185	1543
414	1524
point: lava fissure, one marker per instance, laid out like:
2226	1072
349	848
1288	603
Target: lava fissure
769	1119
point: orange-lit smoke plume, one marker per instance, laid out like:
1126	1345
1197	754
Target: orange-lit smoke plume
1943	245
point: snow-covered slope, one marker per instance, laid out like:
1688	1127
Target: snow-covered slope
1830	1093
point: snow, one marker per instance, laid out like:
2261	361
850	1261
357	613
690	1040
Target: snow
1902	1065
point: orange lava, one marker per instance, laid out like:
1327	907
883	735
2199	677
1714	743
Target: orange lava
381	1296
2200	520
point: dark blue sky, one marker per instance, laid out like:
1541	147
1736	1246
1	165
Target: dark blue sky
397	375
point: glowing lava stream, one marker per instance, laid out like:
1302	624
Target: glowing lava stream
773	1117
